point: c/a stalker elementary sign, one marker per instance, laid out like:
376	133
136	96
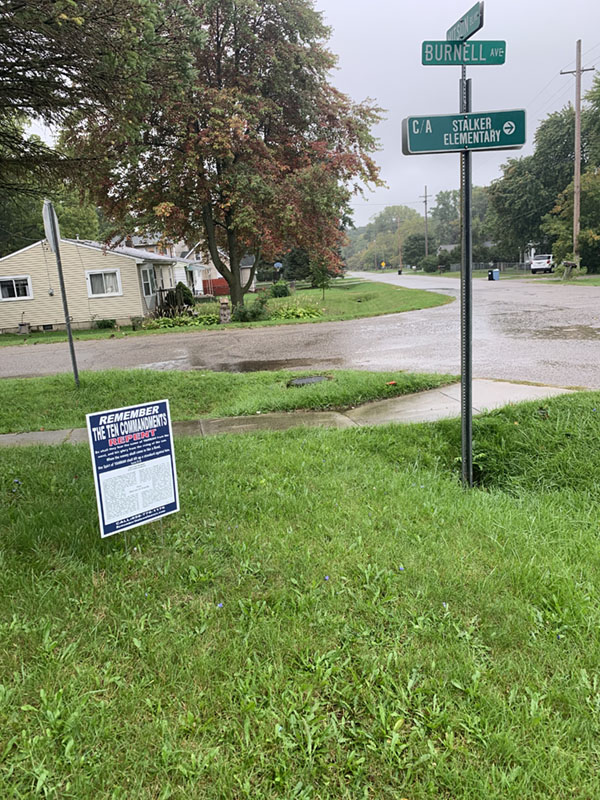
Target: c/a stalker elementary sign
455	133
134	465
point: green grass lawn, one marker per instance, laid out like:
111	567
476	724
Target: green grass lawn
590	280
54	402
344	300
363	299
587	280
330	615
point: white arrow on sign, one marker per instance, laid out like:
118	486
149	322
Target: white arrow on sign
509	127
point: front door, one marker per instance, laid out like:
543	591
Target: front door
149	287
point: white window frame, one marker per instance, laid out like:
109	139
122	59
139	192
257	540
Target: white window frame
17	278
112	270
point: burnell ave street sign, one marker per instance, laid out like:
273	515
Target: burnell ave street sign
455	133
475	53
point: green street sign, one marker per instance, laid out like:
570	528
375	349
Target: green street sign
475	53
455	133
467	25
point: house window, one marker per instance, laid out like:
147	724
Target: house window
103	283
148	281
16	287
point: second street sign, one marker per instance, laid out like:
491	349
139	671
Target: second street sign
474	53
455	133
467	25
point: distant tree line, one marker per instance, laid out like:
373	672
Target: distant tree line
397	235
529	207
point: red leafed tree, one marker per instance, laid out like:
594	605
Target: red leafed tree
256	154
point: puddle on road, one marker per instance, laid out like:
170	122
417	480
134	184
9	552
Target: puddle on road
577	332
267	366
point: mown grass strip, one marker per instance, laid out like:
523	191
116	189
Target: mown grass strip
54	402
330	615
343	301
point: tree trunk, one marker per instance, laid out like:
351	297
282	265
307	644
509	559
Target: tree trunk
234	279
235	286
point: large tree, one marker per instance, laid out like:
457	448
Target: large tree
559	223
530	186
445	216
591	122
57	56
259	153
21	221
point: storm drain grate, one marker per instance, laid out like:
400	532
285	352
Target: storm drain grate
307	381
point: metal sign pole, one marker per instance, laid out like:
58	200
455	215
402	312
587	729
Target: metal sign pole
466	299
55	243
462	133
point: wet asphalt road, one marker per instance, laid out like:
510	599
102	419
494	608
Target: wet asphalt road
522	331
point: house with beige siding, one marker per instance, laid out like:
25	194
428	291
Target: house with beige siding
101	283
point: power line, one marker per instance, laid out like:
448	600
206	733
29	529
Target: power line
592	48
19	236
532	105
553	99
573	62
535	97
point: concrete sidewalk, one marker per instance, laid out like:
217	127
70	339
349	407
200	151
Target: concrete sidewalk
422	407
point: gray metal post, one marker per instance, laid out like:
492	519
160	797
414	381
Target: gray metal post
63	294
466	300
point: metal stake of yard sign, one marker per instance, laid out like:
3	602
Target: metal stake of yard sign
52	234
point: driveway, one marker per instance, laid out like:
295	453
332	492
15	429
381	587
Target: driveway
522	331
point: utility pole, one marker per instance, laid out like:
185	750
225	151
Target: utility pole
577	179
399	242
426	237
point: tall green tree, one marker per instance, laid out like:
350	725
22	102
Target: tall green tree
591	123
21	221
559	223
58	56
515	214
296	265
445	216
414	248
530	186
260	153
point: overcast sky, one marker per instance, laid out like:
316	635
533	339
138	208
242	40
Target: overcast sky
378	44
